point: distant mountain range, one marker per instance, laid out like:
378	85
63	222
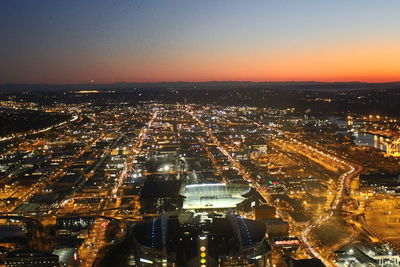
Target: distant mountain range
311	85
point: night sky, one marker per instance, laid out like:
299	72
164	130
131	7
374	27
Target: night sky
75	41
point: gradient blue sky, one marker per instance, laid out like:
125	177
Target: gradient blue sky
74	41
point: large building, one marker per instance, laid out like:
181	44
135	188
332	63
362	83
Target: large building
213	196
188	239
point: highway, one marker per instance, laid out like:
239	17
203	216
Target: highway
323	158
231	145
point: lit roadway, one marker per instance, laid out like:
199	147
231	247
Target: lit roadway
95	239
39	186
342	184
14	136
234	162
128	164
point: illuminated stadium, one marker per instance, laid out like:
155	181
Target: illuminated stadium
211	196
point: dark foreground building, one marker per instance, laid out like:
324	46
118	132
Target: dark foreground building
187	239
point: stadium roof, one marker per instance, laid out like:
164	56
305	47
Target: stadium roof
217	195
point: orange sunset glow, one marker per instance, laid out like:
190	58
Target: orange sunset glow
203	42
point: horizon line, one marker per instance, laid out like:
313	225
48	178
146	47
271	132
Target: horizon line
210	81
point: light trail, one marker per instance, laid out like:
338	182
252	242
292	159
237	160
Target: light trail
127	166
341	189
337	199
14	136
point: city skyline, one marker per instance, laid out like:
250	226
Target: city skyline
204	133
140	41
